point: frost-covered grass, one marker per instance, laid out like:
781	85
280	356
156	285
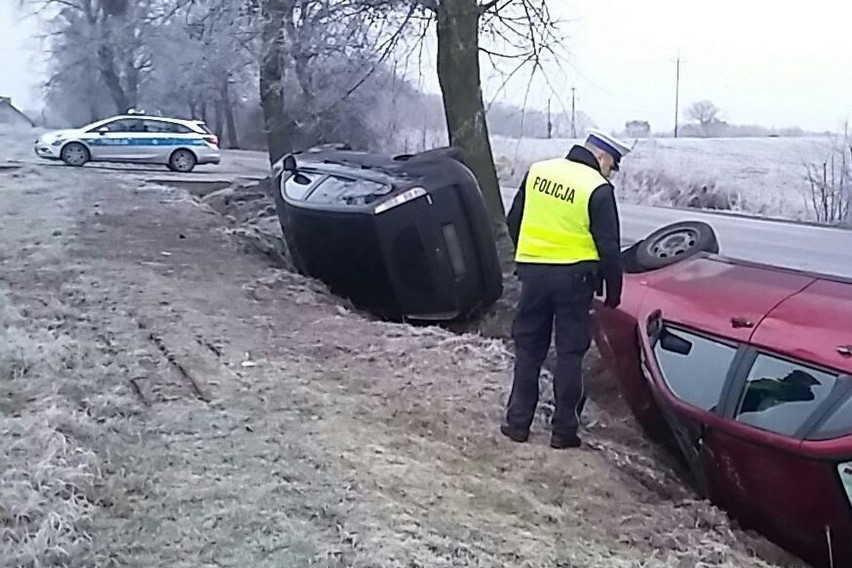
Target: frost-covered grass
46	474
17	143
762	176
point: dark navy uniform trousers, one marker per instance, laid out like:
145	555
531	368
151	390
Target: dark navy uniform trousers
557	297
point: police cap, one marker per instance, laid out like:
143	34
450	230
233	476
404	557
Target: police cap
612	146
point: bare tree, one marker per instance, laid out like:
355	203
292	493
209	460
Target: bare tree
103	41
705	112
525	33
707	115
315	56
830	183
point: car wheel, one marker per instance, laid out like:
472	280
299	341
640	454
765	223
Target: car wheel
75	154
182	161
674	243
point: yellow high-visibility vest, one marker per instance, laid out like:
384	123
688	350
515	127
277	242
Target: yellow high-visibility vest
555	224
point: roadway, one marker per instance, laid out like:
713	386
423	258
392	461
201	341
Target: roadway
785	244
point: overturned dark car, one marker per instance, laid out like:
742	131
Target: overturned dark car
406	237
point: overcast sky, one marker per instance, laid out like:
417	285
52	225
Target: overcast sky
758	62
20	71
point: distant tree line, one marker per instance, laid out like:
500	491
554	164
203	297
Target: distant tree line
704	120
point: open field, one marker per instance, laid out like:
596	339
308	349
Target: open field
173	396
761	176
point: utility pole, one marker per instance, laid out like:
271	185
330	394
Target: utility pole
677	94
573	115
549	121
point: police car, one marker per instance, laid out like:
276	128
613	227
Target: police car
134	138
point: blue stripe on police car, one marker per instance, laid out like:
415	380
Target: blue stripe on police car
146	142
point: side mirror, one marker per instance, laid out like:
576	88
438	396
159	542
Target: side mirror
103	130
289	163
674	344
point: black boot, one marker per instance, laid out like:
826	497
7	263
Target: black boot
515	434
563	441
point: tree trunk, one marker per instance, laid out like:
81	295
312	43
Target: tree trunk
228	109
219	129
106	62
458	74
309	118
132	85
278	131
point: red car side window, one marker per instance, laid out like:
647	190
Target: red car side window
838	423
694	367
780	395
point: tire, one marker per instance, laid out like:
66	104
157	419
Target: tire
75	154
674	243
182	161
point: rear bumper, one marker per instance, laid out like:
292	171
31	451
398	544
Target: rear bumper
209	157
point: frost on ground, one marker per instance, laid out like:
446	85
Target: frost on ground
47	473
174	401
760	176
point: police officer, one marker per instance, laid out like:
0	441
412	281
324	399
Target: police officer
565	226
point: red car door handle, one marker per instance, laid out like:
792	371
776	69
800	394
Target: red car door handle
845	350
739	322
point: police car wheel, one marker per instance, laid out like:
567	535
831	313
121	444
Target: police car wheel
75	154
182	161
674	243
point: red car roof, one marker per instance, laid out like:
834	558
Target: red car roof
814	325
798	314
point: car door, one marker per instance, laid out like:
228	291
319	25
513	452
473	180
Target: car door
113	141
695	322
771	467
688	371
755	460
161	138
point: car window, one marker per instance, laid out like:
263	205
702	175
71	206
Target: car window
300	184
114	126
694	367
204	128
125	125
162	126
329	190
346	191
780	395
839	423
363	192
844	470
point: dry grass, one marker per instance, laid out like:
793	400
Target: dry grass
46	475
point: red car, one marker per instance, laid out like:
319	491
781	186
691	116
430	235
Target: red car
745	369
